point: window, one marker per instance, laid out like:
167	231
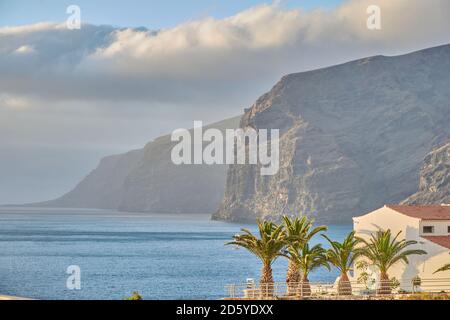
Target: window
428	229
448	229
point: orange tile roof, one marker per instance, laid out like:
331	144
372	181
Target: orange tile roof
443	241
424	212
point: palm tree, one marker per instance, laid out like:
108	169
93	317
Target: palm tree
342	256
268	247
298	231
384	251
444	268
308	259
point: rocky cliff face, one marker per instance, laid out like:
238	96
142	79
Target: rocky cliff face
145	180
157	185
103	187
434	187
352	138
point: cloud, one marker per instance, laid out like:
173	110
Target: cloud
208	59
30	29
8	101
25	50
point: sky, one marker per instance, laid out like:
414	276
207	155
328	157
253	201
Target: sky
153	14
139	69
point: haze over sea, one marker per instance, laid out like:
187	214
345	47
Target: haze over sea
162	256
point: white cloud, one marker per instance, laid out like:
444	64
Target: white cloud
29	29
220	44
25	49
200	61
8	101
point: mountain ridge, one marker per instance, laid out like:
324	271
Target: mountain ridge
138	181
345	133
352	138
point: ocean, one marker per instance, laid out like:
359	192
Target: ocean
162	256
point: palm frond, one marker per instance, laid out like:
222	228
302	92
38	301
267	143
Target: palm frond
385	250
309	258
300	230
444	268
342	254
267	247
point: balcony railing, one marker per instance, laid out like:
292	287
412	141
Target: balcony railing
338	290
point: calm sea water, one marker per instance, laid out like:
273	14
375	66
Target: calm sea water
161	256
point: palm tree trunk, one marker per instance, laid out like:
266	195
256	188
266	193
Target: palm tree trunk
385	284
304	289
344	285
266	281
292	278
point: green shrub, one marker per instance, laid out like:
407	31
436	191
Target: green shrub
135	296
395	284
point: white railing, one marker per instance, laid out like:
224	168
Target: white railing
348	289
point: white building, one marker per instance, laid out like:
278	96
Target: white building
429	226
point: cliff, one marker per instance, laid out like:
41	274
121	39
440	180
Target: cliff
146	180
352	138
434	186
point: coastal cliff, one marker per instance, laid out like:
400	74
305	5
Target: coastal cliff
434	186
352	138
146	180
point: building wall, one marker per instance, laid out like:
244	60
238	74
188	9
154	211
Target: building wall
386	218
423	266
440	228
